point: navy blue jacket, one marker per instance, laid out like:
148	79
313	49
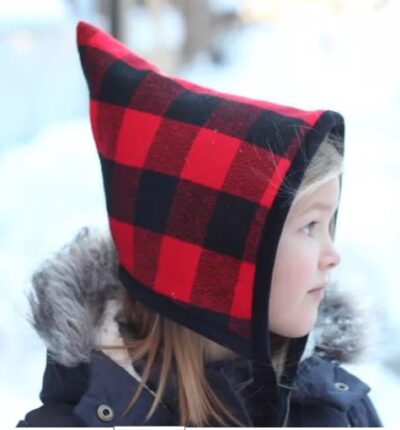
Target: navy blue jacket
96	394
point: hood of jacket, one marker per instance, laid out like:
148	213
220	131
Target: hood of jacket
198	185
76	301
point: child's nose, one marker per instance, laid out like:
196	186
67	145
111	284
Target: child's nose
335	258
331	257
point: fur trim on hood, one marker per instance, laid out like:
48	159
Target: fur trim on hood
76	301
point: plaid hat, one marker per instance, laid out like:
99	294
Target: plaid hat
195	183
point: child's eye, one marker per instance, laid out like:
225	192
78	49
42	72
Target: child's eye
308	229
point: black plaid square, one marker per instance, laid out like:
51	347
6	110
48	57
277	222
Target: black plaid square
107	168
119	82
229	226
192	108
273	131
154	198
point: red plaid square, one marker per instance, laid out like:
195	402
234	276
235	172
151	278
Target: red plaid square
122	235
177	268
242	300
209	158
135	137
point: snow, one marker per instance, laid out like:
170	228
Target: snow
52	184
51	188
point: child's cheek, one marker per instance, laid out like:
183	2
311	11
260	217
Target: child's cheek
300	264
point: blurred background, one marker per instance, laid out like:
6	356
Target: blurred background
335	54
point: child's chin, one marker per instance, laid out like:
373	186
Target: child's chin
296	331
298	334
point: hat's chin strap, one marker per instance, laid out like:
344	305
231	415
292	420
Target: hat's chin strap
269	399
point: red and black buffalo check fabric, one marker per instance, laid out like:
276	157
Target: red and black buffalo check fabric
194	182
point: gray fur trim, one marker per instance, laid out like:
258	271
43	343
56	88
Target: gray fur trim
72	289
69	295
341	328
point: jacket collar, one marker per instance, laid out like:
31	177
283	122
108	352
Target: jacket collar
325	381
102	382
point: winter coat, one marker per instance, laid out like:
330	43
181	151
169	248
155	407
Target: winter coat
76	304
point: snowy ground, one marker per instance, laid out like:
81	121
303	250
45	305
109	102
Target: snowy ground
52	184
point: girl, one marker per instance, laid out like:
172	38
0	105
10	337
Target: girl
197	310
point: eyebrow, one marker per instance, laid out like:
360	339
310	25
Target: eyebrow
322	206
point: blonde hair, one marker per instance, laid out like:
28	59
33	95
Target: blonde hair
183	351
326	164
179	349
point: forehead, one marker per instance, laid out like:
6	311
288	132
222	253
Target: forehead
325	198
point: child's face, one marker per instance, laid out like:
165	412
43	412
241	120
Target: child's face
304	258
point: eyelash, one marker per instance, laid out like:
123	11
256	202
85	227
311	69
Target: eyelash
312	223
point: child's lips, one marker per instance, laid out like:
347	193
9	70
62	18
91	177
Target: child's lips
318	291
318	287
